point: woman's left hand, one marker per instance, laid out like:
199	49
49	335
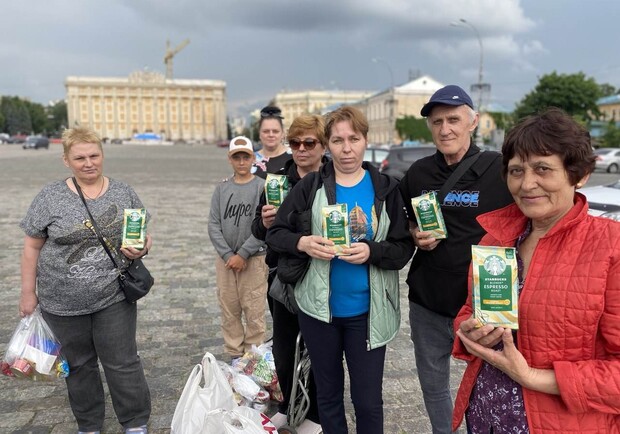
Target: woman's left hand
510	360
132	253
358	253
512	363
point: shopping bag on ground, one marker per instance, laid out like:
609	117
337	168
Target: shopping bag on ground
240	420
197	400
33	352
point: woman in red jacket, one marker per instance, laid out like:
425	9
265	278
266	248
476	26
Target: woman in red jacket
560	372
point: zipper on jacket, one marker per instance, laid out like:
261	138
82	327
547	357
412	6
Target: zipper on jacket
369	310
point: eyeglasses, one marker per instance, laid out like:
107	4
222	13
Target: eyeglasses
309	144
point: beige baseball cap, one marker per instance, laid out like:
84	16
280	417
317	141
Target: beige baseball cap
240	144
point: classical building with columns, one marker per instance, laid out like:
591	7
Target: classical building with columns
147	102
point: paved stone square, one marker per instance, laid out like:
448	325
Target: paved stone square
179	320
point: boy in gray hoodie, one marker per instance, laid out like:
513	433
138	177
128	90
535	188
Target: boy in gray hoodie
241	272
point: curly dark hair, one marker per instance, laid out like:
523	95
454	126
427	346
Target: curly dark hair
552	132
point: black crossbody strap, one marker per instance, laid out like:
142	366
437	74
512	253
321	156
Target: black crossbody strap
456	175
93	225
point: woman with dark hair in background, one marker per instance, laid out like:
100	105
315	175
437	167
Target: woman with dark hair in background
273	156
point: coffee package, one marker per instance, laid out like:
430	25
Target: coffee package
336	226
428	215
276	189
134	228
495	290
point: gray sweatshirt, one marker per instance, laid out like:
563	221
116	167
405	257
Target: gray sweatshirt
230	219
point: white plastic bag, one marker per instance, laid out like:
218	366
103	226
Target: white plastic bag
196	400
240	420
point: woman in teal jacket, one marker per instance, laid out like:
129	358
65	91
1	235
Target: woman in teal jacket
349	303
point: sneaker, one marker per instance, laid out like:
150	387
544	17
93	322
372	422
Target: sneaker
309	427
137	430
278	420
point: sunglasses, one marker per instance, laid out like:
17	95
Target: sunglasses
309	144
271	113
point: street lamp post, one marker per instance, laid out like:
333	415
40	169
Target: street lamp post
387	65
480	88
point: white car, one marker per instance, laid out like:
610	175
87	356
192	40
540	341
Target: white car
608	159
604	200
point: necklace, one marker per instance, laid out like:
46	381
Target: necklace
98	194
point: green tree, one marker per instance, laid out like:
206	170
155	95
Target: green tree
607	89
412	128
38	116
611	138
16	115
573	93
57	117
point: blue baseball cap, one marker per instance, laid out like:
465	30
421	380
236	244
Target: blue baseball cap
449	95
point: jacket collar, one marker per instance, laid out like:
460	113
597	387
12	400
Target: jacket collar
506	224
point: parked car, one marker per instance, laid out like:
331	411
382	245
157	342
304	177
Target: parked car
604	200
17	139
399	159
36	142
4	138
375	156
608	159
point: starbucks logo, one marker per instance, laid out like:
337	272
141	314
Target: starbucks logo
274	183
134	216
494	265
335	217
425	205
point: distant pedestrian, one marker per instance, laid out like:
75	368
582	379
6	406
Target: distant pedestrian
241	272
438	275
273	156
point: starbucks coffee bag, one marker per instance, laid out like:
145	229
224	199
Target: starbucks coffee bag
276	189
495	286
134	228
336	226
428	215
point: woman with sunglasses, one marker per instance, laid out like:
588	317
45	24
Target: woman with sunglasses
273	156
349	304
306	138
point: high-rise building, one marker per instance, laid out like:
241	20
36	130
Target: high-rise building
147	102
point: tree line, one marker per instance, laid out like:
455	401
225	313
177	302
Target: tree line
20	116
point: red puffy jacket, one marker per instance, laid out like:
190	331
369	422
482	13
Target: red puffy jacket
569	321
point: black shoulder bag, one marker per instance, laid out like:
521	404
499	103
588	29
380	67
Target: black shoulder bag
456	175
135	280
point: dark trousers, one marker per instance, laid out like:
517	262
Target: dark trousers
326	344
110	337
285	331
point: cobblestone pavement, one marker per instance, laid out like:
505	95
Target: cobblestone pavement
179	320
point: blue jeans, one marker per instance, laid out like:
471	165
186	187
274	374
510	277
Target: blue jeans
110	337
433	335
326	343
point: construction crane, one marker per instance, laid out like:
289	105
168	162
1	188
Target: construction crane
170	54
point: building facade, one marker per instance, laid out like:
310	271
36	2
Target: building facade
384	108
294	104
609	107
147	102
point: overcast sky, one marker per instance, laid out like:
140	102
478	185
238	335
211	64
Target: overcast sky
260	47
